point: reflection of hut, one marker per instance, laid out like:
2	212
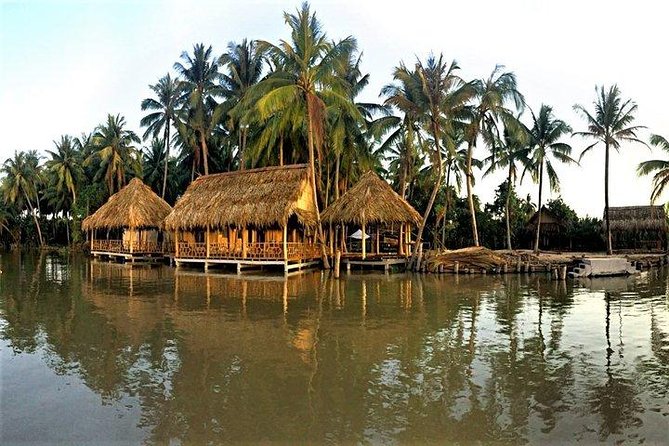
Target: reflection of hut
553	230
373	207
248	218
638	228
127	225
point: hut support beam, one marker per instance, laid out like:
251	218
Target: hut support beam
364	241
245	240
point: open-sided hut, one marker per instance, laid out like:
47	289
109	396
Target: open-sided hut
374	208
128	224
250	217
638	228
553	231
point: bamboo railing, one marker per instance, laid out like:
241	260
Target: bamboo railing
254	251
123	247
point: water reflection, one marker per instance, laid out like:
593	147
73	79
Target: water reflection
373	358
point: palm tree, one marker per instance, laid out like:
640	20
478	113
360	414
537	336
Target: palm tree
545	135
200	85
438	97
66	166
304	84
163	114
153	160
661	167
507	154
21	182
492	95
611	124
114	150
244	63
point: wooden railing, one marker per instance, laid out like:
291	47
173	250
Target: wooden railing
254	251
121	246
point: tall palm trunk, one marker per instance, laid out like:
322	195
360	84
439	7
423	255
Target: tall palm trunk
470	193
447	204
507	210
312	171
609	245
167	157
205	152
281	150
435	190
32	211
538	231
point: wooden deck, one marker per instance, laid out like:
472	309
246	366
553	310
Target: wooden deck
290	257
373	262
127	251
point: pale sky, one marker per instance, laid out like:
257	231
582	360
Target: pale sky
65	64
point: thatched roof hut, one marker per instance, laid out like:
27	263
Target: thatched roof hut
135	206
638	218
257	197
371	201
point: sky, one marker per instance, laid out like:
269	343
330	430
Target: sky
64	65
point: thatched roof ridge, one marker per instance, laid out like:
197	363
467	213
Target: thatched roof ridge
255	197
371	200
634	218
134	206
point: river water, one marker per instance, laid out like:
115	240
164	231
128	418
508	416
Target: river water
107	353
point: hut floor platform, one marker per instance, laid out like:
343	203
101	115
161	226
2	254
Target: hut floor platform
136	257
386	262
288	267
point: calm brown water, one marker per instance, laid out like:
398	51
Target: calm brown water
104	353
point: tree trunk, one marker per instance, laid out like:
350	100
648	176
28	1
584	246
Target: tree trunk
32	211
205	152
470	193
447	204
508	212
609	245
167	157
435	190
281	150
312	171
538	230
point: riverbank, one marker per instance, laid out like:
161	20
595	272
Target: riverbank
485	261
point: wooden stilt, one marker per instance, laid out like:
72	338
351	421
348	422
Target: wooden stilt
337	264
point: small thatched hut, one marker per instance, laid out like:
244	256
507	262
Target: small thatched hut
129	222
553	231
638	228
372	202
262	216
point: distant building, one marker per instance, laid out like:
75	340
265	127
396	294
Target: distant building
553	231
638	228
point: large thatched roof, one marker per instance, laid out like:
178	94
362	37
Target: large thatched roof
134	206
635	218
256	197
371	200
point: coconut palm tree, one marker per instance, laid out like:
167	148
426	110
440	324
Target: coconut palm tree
153	160
244	67
438	98
512	150
66	166
304	84
491	98
545	136
200	83
660	167
162	117
114	151
21	184
611	124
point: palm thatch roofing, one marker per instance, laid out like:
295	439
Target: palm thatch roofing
371	200
638	218
262	197
134	206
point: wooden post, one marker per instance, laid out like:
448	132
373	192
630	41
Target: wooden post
554	274
364	242
378	244
400	240
505	269
244	242
130	238
563	273
285	243
176	243
207	241
456	267
336	263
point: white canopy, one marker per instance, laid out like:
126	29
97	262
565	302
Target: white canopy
358	235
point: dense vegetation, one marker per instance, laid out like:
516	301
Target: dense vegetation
296	101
